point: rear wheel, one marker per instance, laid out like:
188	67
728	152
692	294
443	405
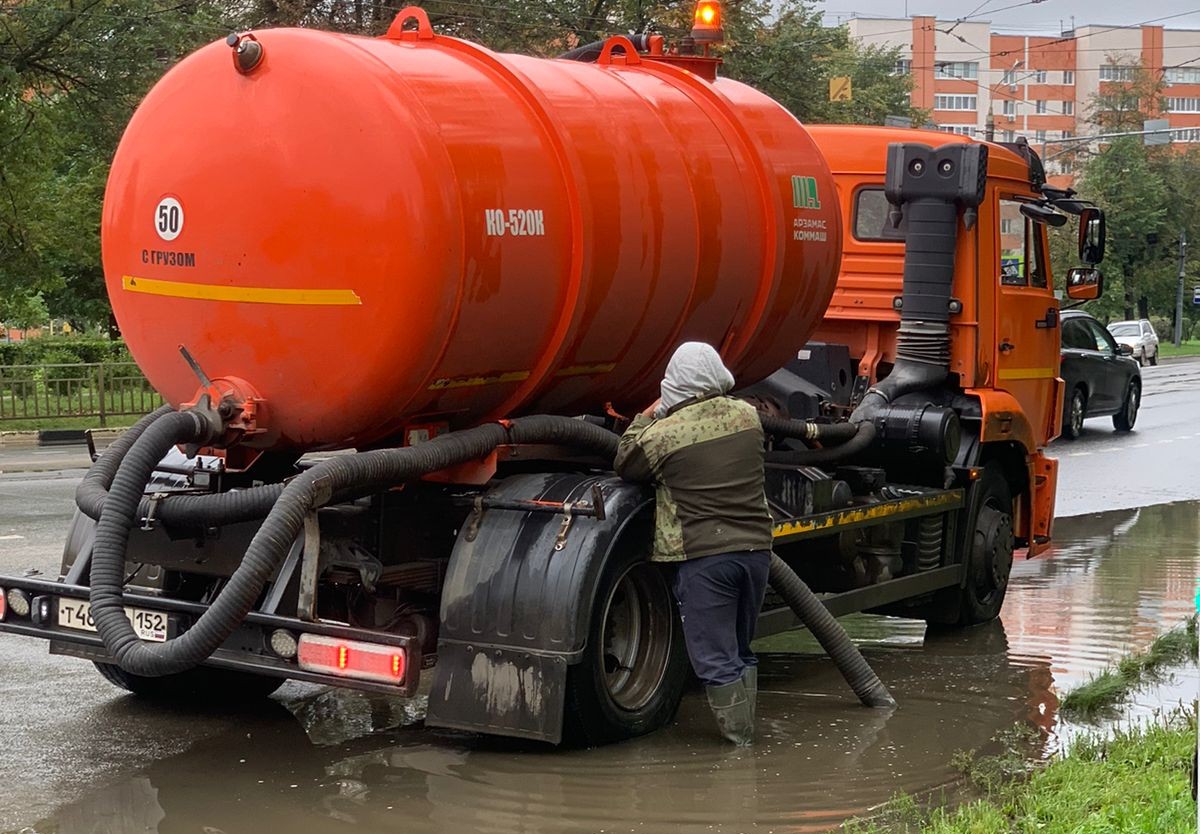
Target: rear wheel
1154	357
1074	414
199	684
1124	419
634	667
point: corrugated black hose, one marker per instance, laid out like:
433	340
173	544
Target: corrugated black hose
307	491
830	634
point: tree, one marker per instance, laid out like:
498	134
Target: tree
790	55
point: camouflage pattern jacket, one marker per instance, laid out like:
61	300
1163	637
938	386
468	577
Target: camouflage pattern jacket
706	460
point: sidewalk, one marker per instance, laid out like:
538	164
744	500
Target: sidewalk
20	452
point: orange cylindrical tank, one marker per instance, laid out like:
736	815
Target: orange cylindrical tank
414	229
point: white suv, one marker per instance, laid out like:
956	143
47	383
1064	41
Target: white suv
1140	336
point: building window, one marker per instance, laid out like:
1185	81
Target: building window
1066	134
1068	76
1068	108
957	69
1182	75
961	130
1190	134
1183	105
903	66
1039	76
955	102
1009	136
1039	106
1008	226
1039	136
1117	72
1010	107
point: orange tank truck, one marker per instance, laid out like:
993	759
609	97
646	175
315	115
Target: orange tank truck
461	269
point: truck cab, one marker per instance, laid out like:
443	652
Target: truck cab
1005	335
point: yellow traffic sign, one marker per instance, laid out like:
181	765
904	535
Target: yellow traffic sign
839	88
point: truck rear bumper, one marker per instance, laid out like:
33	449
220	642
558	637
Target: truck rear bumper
248	649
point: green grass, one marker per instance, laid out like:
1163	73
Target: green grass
1102	693
1189	347
1135	782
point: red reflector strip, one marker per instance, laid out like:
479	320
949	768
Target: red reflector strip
3	604
351	658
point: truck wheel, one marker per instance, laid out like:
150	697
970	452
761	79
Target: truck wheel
1074	414
1124	419
194	685
988	546
634	666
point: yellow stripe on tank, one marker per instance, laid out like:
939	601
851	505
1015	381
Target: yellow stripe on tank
248	295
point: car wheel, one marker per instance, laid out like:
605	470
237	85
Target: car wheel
1074	413
1154	357
1141	360
1127	416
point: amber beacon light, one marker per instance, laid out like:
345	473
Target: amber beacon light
707	25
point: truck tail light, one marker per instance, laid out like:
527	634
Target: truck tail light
18	602
352	659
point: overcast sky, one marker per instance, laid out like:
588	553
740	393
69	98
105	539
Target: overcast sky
1042	18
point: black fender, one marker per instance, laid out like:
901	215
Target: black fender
515	611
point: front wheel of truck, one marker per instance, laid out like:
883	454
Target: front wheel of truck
631	677
195	685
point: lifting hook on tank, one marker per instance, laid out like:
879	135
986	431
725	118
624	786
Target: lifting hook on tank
247	52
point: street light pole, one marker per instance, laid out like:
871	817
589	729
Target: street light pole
1179	289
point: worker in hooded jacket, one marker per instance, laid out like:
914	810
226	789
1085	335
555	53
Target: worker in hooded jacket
703	450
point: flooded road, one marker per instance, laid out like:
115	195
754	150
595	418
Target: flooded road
323	760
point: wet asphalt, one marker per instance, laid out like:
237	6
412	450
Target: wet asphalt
80	756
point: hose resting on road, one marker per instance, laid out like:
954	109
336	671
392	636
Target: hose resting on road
830	634
306	492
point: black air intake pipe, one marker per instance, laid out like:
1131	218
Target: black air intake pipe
927	187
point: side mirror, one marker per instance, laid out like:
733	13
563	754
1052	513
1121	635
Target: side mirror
1124	350
1084	283
1091	236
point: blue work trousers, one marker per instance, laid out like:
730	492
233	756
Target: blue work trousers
719	600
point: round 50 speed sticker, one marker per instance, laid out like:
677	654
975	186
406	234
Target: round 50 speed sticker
168	218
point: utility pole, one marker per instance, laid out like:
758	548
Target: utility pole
1179	291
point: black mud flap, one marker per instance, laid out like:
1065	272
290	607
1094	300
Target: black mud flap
515	608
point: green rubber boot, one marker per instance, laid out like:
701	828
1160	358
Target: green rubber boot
750	681
732	709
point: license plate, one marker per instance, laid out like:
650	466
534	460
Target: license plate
77	614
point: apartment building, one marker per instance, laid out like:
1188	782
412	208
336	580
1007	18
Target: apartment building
1035	86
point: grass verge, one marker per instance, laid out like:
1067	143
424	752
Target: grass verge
1187	348
1138	780
1103	692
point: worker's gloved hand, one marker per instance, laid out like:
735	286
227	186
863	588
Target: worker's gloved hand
650	409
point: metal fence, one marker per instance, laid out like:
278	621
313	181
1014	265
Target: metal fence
97	391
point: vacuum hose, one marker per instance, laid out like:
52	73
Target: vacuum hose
344	475
830	634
